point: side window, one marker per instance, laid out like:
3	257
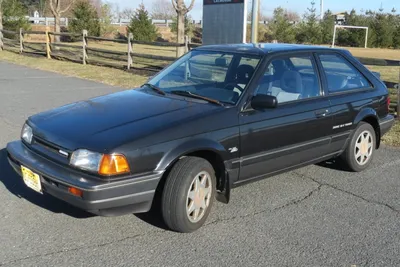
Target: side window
290	78
341	75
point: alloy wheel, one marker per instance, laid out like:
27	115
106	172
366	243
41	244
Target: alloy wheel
198	197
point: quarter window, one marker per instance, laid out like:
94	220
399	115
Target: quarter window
341	75
290	79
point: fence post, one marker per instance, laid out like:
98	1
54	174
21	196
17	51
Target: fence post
130	37
84	45
186	43
48	50
398	96
21	41
1	40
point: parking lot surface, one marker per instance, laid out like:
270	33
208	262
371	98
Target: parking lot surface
315	216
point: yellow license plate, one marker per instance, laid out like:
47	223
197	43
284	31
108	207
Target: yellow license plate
31	179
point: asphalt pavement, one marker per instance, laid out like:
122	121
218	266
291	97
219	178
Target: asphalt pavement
319	215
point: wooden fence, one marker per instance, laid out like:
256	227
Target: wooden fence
84	49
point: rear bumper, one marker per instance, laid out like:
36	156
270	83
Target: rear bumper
106	198
386	123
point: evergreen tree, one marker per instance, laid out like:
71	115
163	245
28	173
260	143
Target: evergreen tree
396	35
327	26
85	18
383	30
141	26
282	29
311	29
14	13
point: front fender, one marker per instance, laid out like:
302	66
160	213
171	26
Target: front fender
189	146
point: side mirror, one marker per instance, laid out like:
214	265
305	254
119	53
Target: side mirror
221	62
264	102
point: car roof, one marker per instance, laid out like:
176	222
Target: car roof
262	48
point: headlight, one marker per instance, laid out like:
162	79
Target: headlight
85	159
101	163
26	133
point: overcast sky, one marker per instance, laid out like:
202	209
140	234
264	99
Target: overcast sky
296	5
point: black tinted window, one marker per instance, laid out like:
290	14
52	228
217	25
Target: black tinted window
341	75
290	78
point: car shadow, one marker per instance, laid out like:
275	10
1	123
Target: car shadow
334	164
154	216
14	183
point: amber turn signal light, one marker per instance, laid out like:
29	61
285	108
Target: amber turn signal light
75	191
113	164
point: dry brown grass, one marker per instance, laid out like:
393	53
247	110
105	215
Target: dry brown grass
392	138
393	54
105	75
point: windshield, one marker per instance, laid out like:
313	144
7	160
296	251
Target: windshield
214	75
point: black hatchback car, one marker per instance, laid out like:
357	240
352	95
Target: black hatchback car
218	117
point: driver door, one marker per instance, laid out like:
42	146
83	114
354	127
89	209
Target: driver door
297	131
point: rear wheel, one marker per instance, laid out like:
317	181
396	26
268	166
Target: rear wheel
188	194
360	151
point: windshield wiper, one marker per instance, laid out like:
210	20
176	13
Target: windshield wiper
154	88
190	94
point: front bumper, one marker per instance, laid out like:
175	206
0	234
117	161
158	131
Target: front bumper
386	124
101	197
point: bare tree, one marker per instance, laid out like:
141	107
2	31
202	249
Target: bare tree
116	11
162	9
181	11
55	7
127	13
97	4
292	16
261	13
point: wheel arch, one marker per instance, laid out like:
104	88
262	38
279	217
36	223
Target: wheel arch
209	150
370	116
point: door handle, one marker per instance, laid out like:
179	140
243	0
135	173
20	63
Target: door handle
321	113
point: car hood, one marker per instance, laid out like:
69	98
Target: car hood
111	119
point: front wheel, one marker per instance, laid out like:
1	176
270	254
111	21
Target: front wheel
188	194
359	152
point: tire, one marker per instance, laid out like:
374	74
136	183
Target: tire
180	184
357	156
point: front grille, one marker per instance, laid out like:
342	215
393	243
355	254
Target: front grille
51	147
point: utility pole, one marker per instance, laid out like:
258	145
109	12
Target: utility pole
254	22
322	9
